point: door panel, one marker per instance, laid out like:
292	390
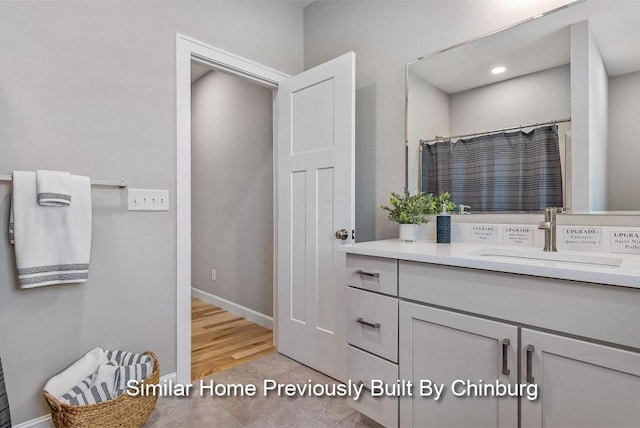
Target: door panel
443	347
325	248
298	243
312	117
316	117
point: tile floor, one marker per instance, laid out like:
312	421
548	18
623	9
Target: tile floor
258	411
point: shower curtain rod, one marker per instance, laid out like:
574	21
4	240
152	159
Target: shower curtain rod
101	183
513	128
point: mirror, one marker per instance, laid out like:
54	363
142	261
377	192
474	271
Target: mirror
557	127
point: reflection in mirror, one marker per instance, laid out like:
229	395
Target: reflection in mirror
499	171
554	127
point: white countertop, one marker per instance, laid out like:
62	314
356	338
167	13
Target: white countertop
469	256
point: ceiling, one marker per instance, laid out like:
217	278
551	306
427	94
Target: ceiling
536	45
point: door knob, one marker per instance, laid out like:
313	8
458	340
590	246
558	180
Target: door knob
342	234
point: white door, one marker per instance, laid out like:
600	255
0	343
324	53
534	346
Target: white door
316	132
580	384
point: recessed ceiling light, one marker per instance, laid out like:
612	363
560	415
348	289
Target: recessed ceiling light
498	70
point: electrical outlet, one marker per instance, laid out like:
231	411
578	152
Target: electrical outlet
148	200
213	274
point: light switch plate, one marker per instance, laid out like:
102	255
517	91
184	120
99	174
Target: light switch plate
148	200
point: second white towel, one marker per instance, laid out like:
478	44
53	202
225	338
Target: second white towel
54	188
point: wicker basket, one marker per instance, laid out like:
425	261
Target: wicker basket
122	411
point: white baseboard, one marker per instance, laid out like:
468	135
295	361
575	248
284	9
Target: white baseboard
168	377
46	422
41	422
234	308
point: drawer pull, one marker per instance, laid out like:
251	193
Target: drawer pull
505	356
366	388
367	323
529	350
365	273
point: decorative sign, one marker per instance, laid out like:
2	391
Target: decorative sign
625	241
484	233
582	238
521	236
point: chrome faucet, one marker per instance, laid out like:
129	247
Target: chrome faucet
549	227
461	209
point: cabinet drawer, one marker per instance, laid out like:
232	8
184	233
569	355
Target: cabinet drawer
362	366
373	273
372	323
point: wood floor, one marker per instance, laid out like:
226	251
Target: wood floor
221	340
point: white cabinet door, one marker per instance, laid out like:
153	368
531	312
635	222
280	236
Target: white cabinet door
580	384
315	163
444	347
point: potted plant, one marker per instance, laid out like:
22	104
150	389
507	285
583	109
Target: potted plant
434	203
409	211
412	210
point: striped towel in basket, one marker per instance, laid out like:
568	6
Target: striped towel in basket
110	379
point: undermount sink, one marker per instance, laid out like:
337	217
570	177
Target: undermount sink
538	254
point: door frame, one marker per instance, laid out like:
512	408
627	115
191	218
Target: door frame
187	50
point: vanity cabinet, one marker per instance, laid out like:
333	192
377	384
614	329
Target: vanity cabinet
578	342
581	380
576	380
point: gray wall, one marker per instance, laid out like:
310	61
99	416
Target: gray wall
589	94
385	36
598	127
89	87
427	116
232	190
624	149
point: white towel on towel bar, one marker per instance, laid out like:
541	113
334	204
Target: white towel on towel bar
53	245
54	188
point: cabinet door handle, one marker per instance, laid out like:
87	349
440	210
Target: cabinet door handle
366	388
367	323
505	356
365	273
529	350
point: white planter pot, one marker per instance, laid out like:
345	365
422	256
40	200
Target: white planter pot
408	232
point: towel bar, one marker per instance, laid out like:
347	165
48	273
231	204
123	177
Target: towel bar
101	183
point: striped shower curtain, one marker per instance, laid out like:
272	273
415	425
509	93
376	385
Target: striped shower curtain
5	416
506	171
